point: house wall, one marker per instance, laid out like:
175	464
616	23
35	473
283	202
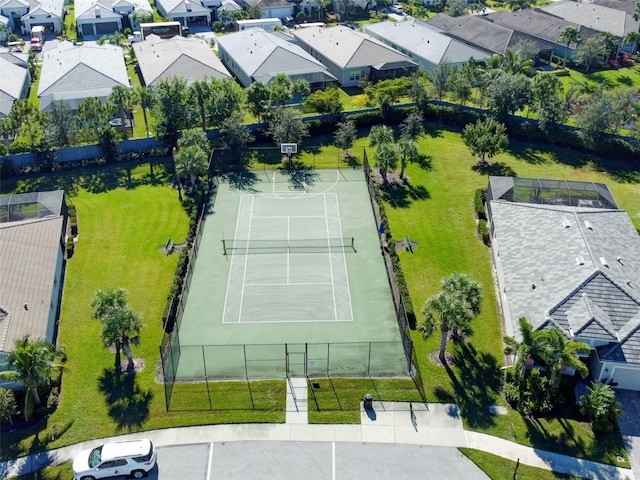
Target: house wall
626	378
229	62
55	295
53	23
346	78
278	12
14	14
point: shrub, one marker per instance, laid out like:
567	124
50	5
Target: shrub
483	231
8	405
19	146
70	247
529	395
3	149
479	199
73	219
601	407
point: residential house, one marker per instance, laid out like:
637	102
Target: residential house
628	6
567	257
22	15
101	17
14	80
488	36
595	17
272	8
70	74
351	56
541	26
188	58
32	235
424	44
226	9
255	55
187	12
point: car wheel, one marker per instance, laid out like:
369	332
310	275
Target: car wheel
87	478
138	474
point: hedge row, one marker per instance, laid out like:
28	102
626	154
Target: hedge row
478	203
395	260
193	207
483	231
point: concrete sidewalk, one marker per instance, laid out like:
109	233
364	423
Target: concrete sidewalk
387	422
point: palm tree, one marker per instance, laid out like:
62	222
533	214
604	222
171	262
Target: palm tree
564	353
636	14
121	329
120	326
408	153
108	300
451	309
322	8
533	346
412	127
632	37
380	134
201	92
386	155
146	99
31	363
120	96
569	35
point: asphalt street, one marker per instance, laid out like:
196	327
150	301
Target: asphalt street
312	461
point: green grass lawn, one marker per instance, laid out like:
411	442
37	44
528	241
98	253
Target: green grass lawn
436	211
69	27
138	116
126	213
498	468
622	77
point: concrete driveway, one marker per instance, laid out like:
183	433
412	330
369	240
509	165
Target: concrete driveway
630	426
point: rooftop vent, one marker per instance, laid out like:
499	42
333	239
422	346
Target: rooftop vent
566	223
580	260
97	11
603	261
187	5
630	284
588	225
619	259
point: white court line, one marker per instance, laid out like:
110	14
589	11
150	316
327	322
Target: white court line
224	309
246	259
276	194
289	216
282	284
333	460
344	260
288	250
210	460
329	320
333	287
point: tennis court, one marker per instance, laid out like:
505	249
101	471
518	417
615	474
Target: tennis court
289	272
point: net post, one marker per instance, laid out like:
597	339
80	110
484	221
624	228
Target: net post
353	243
224	247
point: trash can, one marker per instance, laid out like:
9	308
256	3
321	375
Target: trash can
368	402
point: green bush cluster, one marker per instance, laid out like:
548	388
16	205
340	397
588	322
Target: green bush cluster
73	219
3	149
19	146
528	395
70	247
479	200
6	169
395	261
483	231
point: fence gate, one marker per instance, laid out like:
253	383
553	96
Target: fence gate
296	359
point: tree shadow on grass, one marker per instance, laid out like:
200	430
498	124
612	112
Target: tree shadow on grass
477	385
433	130
128	404
527	154
625	80
494	169
402	196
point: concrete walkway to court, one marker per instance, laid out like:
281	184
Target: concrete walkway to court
387	422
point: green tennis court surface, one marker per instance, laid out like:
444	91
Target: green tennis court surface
289	279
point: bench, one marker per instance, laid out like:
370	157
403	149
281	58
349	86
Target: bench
169	246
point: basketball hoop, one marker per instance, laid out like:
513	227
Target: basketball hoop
289	149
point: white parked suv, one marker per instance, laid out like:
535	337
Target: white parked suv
397	9
134	458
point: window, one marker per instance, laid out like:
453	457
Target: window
356	75
114	463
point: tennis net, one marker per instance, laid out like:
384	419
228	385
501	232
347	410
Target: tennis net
308	245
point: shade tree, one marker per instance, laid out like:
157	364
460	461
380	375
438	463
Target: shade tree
485	138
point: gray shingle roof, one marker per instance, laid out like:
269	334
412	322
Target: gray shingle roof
261	54
596	17
489	36
12	78
86	8
188	58
628	6
418	38
82	71
30	253
350	49
574	267
536	23
180	6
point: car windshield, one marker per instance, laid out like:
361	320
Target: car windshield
95	456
